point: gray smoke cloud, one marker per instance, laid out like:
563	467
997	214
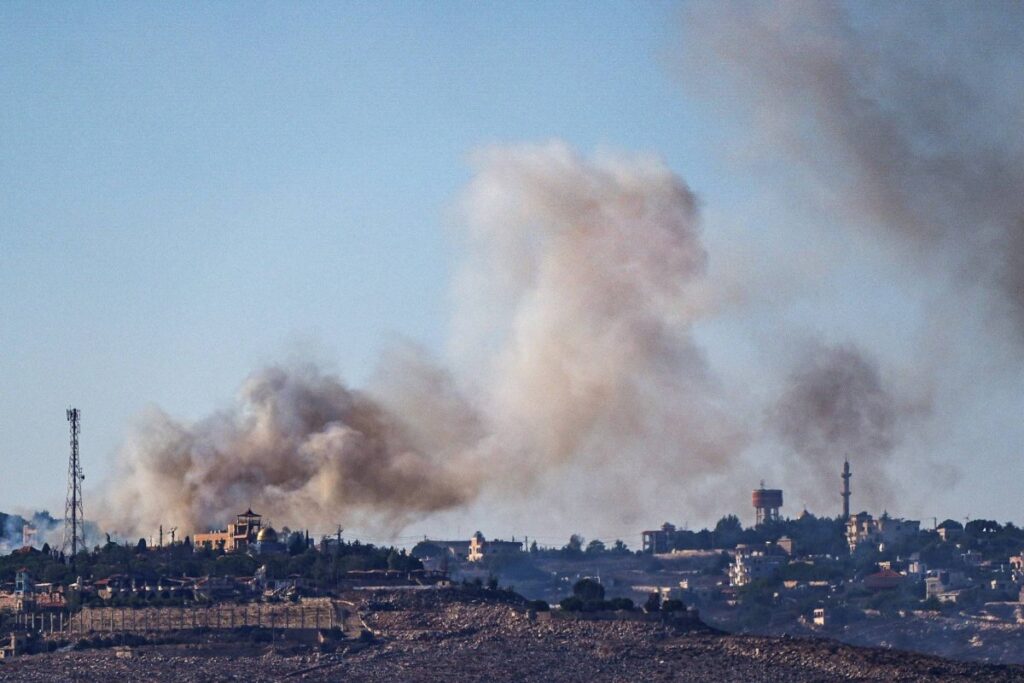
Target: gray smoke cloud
581	284
298	446
571	344
835	404
904	113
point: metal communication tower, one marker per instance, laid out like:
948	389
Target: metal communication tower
74	533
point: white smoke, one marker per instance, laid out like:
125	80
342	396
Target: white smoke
572	343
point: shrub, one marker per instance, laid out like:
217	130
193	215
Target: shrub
620	604
572	604
539	605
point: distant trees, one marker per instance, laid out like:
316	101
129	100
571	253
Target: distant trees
588	596
980	528
578	547
574	548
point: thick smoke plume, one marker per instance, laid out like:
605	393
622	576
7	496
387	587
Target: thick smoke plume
298	445
905	113
836	405
572	345
583	277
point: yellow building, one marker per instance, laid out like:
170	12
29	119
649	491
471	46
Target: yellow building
237	536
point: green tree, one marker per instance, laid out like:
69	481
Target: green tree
727	531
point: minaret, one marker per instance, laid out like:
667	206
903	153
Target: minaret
846	489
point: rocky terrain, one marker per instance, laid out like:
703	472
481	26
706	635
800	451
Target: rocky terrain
455	635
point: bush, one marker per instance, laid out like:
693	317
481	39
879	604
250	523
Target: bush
620	604
538	605
572	604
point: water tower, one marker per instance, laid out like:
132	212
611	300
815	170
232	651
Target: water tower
766	504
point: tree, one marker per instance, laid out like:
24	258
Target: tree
727	531
296	544
588	590
533	547
140	547
620	548
653	603
394	561
595	547
574	548
982	527
571	604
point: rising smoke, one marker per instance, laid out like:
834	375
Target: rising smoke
572	334
904	113
835	404
582	280
297	445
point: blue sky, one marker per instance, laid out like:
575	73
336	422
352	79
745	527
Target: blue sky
189	191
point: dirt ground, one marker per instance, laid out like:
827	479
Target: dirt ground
450	635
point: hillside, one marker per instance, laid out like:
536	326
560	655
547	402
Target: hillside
456	635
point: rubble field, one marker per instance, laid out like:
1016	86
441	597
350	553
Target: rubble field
450	635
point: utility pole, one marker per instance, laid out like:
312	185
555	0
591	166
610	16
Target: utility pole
74	533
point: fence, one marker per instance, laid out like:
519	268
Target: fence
305	615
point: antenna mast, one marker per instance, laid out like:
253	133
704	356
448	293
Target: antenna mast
74	533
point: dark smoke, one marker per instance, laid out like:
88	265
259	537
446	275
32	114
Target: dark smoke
298	445
907	115
835	405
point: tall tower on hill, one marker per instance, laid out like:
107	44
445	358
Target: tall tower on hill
74	533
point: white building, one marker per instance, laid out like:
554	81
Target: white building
753	564
863	528
480	547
